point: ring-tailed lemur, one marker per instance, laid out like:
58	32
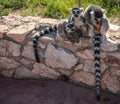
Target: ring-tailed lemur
72	34
98	27
78	19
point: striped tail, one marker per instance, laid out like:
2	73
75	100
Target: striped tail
38	35
35	44
97	41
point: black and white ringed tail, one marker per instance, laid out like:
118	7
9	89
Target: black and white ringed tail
36	37
97	66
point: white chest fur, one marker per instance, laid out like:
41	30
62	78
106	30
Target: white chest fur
78	22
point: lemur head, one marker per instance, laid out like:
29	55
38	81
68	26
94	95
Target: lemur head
77	12
70	27
96	17
96	13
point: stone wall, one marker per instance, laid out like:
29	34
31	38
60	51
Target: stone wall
58	57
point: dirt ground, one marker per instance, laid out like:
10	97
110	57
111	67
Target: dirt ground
49	92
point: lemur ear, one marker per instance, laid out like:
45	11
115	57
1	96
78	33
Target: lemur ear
103	10
70	9
81	9
92	12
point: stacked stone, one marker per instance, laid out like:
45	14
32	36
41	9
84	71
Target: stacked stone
58	56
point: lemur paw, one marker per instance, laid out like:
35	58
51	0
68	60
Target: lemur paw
103	38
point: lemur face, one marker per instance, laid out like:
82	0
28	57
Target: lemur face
69	27
77	12
96	15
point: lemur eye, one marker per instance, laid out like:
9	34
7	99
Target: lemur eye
71	25
73	12
78	12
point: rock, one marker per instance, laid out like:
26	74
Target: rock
89	66
19	33
9	48
85	54
44	71
103	55
26	62
7	63
23	72
12	21
110	81
79	67
28	19
113	36
3	29
83	77
59	58
114	54
85	43
64	72
109	47
7	73
68	45
42	44
114	27
89	54
3	49
112	61
14	49
29	53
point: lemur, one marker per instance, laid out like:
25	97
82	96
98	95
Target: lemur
93	15
78	19
72	34
98	26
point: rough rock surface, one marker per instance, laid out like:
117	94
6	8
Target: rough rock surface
44	71
59	58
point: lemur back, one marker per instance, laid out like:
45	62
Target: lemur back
98	27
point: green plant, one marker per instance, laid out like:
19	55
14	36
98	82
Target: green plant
4	12
56	10
15	4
